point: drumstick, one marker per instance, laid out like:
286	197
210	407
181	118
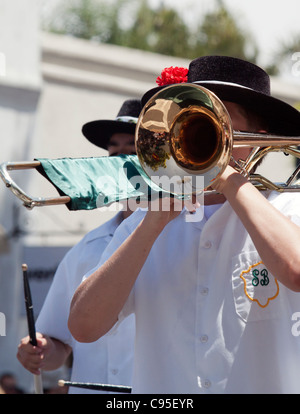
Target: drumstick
31	325
92	386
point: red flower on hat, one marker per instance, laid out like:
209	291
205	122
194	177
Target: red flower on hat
172	75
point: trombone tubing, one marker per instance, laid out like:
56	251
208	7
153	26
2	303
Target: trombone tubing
253	139
28	202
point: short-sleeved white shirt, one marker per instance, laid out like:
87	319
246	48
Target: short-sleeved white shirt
108	360
210	318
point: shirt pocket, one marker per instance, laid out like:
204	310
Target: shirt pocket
256	291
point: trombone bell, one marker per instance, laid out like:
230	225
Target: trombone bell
184	141
184	134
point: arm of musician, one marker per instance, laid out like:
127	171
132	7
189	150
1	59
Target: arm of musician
276	238
99	299
49	354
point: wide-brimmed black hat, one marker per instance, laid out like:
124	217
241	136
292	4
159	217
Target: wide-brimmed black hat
242	82
99	132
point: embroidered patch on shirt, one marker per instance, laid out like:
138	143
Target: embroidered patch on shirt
259	286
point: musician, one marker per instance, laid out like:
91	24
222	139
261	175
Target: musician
108	360
214	299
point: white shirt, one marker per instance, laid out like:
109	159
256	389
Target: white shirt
108	360
203	323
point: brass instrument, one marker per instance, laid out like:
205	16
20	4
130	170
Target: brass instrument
184	141
185	131
28	201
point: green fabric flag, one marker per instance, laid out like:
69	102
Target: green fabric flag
96	182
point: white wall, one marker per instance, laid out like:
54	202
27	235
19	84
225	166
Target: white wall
20	85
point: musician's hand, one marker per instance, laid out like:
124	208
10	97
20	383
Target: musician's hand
163	210
192	204
33	357
223	181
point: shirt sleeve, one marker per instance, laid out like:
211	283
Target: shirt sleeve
53	318
122	232
292	210
288	203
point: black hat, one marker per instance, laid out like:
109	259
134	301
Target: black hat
99	132
242	82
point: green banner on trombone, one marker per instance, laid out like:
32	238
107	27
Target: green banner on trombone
96	182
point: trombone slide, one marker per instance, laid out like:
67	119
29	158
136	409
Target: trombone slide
28	201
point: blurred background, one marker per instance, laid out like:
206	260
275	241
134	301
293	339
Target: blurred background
65	63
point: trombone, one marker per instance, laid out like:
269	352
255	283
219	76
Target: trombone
185	130
28	201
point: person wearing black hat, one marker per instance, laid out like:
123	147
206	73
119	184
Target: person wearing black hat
214	299
109	360
116	136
